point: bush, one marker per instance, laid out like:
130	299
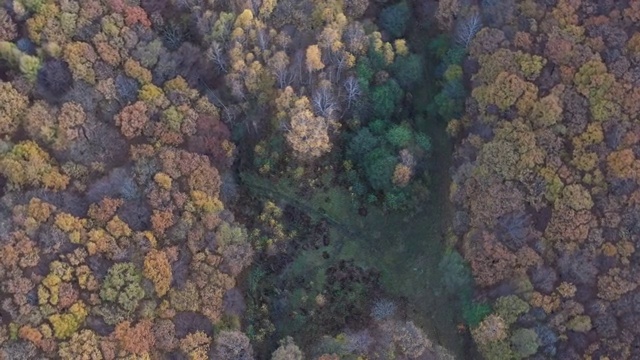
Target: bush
383	309
456	274
394	19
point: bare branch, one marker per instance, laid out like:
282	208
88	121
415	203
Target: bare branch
467	30
352	88
217	56
324	102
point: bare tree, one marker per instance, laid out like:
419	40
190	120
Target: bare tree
341	59
217	56
467	29
236	85
298	65
324	102
279	65
352	87
284	77
263	39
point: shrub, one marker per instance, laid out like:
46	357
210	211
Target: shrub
455	272
383	309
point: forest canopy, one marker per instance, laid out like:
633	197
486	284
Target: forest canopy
130	134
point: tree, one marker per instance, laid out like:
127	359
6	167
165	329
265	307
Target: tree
408	70
329	38
7	27
514	229
164	331
218	57
132	119
524	342
399	136
324	102
353	92
456	274
122	286
379	167
510	307
385	98
80	57
314	58
236	258
503	92
383	309
355	8
287	350
491	329
158	269
577	197
308	134
82	345
135	14
395	18
12	108
279	65
138	339
28	165
467	29
411	339
233	345
65	325
196	345
447	13
266	8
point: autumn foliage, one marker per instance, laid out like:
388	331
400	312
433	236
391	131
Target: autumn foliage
547	180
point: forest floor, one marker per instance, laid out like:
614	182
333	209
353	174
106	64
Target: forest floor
405	247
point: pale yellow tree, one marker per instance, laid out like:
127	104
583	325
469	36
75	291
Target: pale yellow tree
308	134
314	58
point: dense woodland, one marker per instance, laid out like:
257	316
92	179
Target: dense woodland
126	231
546	178
171	171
